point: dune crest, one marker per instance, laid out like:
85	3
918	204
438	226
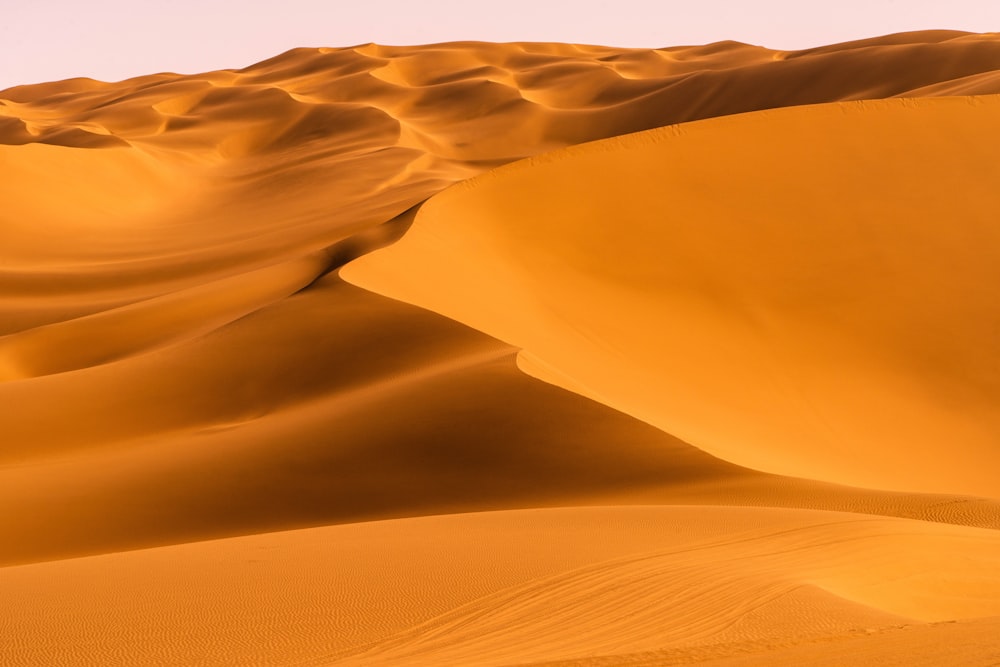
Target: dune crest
772	267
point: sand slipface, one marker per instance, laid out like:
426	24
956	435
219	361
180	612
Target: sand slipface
493	354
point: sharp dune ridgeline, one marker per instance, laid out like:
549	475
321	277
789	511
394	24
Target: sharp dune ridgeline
485	354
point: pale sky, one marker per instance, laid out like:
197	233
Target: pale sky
45	40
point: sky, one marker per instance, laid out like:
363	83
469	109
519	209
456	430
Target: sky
46	40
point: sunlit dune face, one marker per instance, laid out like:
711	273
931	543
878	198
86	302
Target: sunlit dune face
491	354
774	268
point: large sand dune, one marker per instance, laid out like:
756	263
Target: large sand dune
365	356
836	306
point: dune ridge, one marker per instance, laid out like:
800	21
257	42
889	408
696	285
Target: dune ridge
836	349
448	355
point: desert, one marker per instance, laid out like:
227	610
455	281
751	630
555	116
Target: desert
494	354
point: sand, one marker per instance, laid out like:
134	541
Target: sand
501	587
773	267
494	354
651	585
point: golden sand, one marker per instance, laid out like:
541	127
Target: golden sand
493	354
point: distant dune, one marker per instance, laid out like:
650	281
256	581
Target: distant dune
494	354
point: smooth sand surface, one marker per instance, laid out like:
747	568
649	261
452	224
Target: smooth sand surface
776	268
362	408
355	356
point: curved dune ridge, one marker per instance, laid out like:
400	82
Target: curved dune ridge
777	268
493	354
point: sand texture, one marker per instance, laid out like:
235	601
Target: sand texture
506	354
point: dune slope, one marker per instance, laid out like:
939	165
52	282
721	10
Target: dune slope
169	181
362	408
835	304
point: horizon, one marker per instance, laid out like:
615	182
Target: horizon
54	40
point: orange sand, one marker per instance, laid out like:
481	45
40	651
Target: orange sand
723	392
775	268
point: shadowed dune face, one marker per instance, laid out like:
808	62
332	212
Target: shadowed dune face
354	407
750	312
361	408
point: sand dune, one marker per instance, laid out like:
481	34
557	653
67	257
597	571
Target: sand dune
720	392
221	173
774	267
363	408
